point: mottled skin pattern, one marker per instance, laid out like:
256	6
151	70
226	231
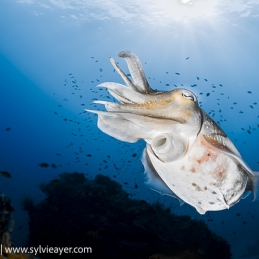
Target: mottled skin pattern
204	177
188	156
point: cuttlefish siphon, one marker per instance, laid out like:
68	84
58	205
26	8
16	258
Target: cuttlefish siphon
187	155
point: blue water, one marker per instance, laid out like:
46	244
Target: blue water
54	53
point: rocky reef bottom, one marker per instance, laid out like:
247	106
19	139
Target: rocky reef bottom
99	214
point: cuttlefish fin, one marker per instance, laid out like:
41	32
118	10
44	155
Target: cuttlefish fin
246	194
136	71
253	185
154	181
222	143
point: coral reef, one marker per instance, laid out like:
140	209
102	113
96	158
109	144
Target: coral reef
98	213
6	221
6	229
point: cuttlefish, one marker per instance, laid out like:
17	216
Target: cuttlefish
187	155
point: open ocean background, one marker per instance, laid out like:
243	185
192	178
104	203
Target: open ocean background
54	52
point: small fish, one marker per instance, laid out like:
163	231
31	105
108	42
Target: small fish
187	155
44	165
53	166
5	174
8	129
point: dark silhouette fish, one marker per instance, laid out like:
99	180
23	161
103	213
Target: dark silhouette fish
5	174
44	165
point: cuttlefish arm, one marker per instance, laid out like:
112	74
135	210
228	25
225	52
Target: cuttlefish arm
147	114
131	127
136	71
127	81
125	94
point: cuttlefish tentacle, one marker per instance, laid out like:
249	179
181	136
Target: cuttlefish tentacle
136	71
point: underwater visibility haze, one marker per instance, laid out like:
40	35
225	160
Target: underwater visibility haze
191	105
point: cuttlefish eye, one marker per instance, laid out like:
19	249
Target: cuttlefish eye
189	96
